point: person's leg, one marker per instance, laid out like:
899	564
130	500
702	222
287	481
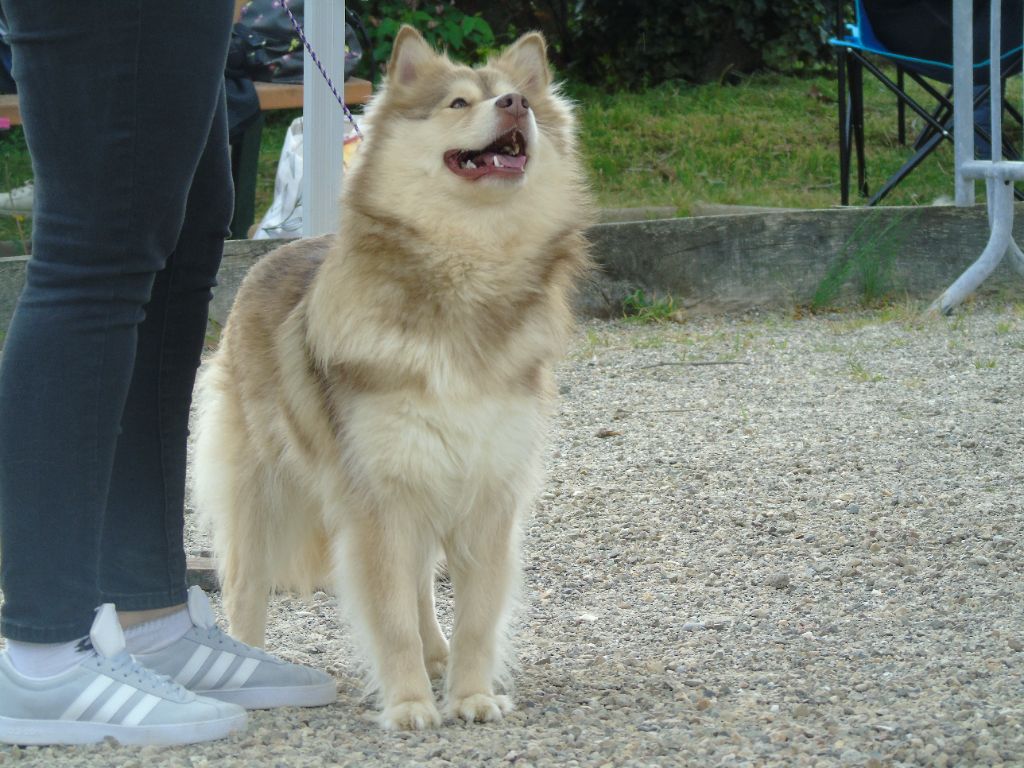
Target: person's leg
142	557
117	109
99	97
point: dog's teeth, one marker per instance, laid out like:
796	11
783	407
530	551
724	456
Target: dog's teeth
497	162
469	164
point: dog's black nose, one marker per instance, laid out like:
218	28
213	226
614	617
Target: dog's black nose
513	102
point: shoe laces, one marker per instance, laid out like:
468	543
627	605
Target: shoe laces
125	667
221	639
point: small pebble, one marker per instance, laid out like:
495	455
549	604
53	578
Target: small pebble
778	580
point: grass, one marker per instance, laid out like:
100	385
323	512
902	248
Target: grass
859	373
869	258
641	308
769	141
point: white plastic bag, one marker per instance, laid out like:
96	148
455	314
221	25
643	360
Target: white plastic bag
284	217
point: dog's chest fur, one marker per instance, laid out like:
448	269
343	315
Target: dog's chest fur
409	387
447	385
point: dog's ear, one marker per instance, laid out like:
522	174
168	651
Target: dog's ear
527	57
409	56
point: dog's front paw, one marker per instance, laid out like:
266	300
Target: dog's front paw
481	707
410	716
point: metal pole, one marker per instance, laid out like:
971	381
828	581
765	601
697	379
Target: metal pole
963	96
323	126
999	174
995	72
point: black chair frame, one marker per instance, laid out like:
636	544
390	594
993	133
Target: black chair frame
938	120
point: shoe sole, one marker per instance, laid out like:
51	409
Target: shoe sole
281	696
33	732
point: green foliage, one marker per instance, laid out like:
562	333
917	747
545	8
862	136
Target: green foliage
860	373
466	37
641	308
15	170
869	257
637	43
622	43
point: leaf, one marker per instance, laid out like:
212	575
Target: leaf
452	33
388	28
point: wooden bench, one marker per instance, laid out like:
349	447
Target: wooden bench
9	108
271	95
245	151
289	96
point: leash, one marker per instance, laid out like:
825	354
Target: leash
319	66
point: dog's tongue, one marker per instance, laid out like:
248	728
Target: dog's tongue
494	160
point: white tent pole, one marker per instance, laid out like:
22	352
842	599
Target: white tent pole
996	94
323	123
963	97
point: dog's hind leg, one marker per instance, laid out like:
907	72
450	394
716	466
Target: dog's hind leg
244	555
227	493
482	561
435	647
246	596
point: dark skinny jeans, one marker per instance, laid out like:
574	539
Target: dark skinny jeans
123	111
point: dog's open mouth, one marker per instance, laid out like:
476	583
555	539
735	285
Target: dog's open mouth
505	157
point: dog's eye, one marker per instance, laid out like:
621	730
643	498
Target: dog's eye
459	104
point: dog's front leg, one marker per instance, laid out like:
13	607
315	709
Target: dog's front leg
384	567
482	564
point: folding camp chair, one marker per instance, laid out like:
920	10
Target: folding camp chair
859	49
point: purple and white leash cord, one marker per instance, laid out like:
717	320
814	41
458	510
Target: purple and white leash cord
316	60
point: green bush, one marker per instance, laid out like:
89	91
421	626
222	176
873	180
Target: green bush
466	37
636	43
621	43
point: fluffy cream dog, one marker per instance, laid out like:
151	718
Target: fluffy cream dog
379	400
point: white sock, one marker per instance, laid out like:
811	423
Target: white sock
159	633
46	659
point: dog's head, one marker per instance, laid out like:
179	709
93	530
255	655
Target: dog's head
469	136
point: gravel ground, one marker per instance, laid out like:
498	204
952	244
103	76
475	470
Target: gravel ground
763	541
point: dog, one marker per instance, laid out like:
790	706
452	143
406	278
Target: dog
379	399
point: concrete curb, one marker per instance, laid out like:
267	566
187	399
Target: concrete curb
780	259
771	259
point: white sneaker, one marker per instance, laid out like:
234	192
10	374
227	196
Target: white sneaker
108	694
208	662
18	201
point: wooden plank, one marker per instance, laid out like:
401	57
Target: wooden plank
9	108
202	572
289	95
271	95
279	95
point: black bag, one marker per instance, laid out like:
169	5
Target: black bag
267	46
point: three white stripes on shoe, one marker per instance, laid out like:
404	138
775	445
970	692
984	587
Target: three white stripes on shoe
116	700
213	677
113	704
